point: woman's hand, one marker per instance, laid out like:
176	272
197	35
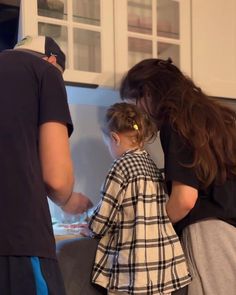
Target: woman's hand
78	203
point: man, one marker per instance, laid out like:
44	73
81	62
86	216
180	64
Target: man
35	162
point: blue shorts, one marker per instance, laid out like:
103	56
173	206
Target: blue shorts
21	275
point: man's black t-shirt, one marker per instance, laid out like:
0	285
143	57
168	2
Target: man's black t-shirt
217	201
32	92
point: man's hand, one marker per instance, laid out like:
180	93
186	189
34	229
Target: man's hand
85	231
78	203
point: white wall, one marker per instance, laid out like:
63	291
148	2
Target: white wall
90	156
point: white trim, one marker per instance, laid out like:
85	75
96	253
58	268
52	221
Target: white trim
154	27
121	39
185	37
70	35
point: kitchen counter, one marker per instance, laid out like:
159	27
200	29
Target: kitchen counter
76	256
66	237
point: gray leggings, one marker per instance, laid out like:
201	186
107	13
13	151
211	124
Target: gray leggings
210	249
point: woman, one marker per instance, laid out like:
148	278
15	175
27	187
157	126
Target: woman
198	136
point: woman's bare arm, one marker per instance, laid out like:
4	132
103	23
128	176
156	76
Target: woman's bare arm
181	201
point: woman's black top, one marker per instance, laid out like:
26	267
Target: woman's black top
217	201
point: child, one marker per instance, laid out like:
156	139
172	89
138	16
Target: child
139	251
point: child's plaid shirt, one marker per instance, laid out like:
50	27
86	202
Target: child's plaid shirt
139	251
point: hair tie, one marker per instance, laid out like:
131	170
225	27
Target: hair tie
135	126
169	60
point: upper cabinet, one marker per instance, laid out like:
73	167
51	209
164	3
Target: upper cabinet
214	46
104	38
83	29
152	28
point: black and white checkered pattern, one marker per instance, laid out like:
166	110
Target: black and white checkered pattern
139	251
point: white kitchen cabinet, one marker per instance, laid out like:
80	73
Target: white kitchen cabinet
152	28
214	46
104	38
84	30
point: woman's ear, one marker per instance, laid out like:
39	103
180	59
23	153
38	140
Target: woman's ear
115	138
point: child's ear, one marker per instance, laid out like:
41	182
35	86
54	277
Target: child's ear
115	137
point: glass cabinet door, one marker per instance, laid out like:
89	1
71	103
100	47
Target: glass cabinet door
140	16
168	27
87	43
152	28
168	19
138	49
87	12
54	9
87	50
156	20
83	29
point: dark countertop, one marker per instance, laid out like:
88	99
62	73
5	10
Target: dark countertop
76	257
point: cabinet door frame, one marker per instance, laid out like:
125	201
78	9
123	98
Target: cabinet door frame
122	34
29	26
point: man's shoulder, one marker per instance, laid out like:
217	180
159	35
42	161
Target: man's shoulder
25	57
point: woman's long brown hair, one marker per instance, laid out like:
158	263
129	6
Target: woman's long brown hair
168	96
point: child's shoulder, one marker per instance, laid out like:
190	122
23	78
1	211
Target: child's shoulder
130	157
134	164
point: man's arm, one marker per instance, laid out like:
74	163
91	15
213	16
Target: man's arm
78	203
56	162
